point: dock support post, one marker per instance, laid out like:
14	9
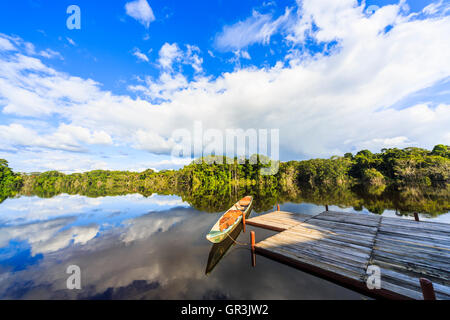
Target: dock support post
427	289
326	207
278	207
243	221
416	216
252	242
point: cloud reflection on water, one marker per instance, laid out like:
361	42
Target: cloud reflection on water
149	249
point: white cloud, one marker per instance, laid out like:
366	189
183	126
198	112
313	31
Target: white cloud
165	86
192	58
432	8
29	88
84	135
71	41
171	59
258	28
29	210
168	54
26	210
245	55
49	225
6	45
62	239
377	143
66	137
45	237
49	54
141	11
44	159
10	43
141	56
145	226
242	54
29	231
438	7
153	142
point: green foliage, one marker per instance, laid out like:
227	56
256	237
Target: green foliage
373	177
210	173
214	183
441	150
364	160
324	172
10	183
403	167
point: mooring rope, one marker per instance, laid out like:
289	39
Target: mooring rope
237	242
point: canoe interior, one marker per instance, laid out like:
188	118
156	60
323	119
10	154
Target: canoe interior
215	235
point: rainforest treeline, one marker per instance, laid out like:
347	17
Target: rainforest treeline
212	178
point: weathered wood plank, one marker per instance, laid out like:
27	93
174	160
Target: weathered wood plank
414	242
313	261
418	253
415	230
276	222
345	244
430	225
267	223
325	244
349	219
411	281
351	214
338	230
279	219
387	285
284	214
363	242
414	234
414	265
322	250
366	217
342	225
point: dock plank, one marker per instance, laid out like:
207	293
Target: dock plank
278	220
349	272
410	281
354	252
344	244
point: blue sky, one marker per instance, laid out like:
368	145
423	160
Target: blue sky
329	75
104	45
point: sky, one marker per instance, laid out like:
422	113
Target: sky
333	76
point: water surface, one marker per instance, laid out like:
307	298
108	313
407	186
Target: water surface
133	247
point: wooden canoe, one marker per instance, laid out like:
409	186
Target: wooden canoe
216	235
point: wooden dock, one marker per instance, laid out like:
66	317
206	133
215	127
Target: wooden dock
341	246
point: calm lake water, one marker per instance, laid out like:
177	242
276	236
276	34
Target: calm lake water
132	247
